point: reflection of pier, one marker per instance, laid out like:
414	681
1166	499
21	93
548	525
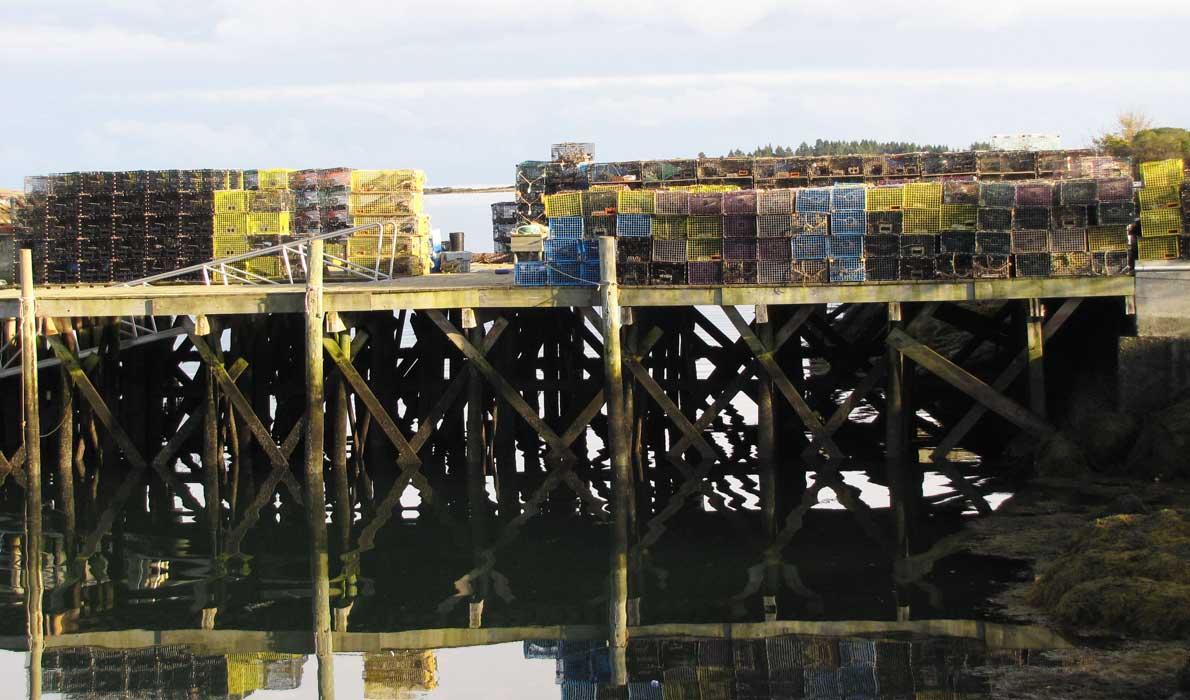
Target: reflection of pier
476	416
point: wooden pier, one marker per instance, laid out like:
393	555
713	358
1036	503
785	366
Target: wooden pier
617	403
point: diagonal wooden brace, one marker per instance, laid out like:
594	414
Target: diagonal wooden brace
968	383
774	372
263	438
13	467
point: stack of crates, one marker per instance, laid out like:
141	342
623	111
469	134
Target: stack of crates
1161	208
253	218
392	199
811	230
885	225
504	224
570	256
848	226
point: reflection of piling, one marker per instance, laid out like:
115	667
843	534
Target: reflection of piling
621	463
315	495
33	584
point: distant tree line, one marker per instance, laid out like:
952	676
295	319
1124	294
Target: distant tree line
1136	138
824	147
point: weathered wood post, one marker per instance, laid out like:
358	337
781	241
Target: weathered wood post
343	505
895	434
30	397
66	447
766	441
477	498
620	458
1034	330
315	493
212	467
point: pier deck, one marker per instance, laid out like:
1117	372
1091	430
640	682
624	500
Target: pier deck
487	289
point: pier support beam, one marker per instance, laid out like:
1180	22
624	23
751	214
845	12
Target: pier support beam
29	393
1034	329
315	493
620	459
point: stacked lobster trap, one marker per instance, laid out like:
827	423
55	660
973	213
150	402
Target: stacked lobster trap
959	228
105	227
1164	211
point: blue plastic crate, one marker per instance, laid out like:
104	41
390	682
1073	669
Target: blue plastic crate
809	247
566	227
848	270
588	250
852	222
565	274
562	249
814	199
849	198
845	246
531	273
634	225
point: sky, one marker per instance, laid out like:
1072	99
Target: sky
465	90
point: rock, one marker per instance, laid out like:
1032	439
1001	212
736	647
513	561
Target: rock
1128	504
1060	457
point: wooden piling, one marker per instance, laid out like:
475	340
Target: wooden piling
315	496
1034	330
896	434
66	449
620	458
32	544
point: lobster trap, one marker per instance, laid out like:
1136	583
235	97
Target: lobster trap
1160	248
566	227
1070	217
633	273
634	250
773	249
813	223
886	198
1033	264
530	273
848	198
740	272
1110	263
886	222
1032	217
813	200
810	272
671	202
1037	193
564	273
917	269
957	242
705	273
672	251
807	247
1030	241
918	245
774	272
678	227
724	168
595	202
739	249
1103	239
991	267
741	202
923	195
882	269
667	273
598	225
233	201
387	204
702	249
775	226
849	222
633	226
1160	222
1159	197
614	173
997	194
960	191
774	202
959	217
845	246
706	203
739	226
1115	189
1068	240
669	171
1078	192
847	270
1070	264
997	243
1162	173
994	219
956	266
882	246
902	165
634	202
922	220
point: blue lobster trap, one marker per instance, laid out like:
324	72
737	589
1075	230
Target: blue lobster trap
813	200
634	225
845	246
565	274
566	227
589	272
809	247
853	222
562	249
531	273
849	198
848	270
